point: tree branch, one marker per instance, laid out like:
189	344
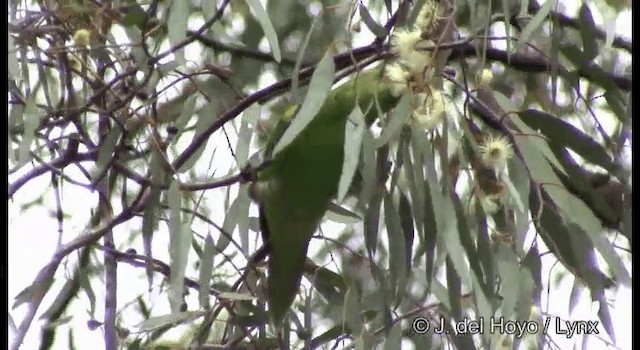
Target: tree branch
566	21
530	63
47	273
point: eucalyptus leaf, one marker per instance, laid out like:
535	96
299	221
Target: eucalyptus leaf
371	23
535	22
509	270
396	239
31	121
180	243
351	311
206	270
319	87
267	27
179	18
106	153
399	117
296	68
354	131
170	319
588	32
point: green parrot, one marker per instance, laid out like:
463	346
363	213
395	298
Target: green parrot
297	186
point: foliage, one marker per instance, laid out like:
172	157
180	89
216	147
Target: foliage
504	149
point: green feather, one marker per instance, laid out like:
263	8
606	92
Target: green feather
303	178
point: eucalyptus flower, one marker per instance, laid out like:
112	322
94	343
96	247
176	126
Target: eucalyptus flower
428	16
496	151
429	112
397	78
404	41
82	37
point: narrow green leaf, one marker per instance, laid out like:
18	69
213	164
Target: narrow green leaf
34	291
186	113
296	68
554	53
85	285
414	171
396	239
12	60
31	121
371	23
331	334
561	133
446	223
588	32
576	293
483	305
368	169
319	86
12	325
267	27
180	243
454	289
573	250
329	284
535	22
610	33
105	153
371	224
236	296
177	31
243	217
397	119
150	220
230	222
208	8
576	211
509	270
617	105
506	12
342	215
249	117
593	72
533	139
605	317
524	299
532	262
16	122
406	222
354	131
351	311
154	323
135	15
441	293
393	340
206	270
485	251
413	12
203	121
519	185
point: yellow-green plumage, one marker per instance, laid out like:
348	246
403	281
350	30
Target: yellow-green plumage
303	178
